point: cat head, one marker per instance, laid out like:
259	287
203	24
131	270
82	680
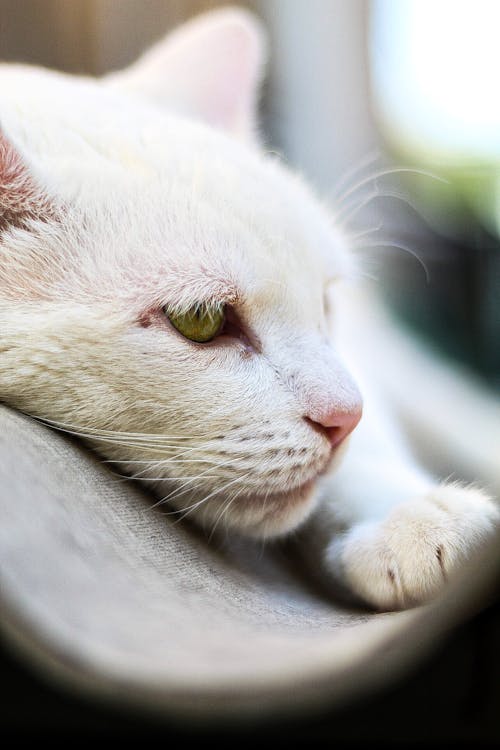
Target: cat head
165	283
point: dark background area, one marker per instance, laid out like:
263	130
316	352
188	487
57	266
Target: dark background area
453	698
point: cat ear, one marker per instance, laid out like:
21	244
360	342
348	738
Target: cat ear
210	68
24	204
21	198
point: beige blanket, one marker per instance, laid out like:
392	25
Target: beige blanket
115	598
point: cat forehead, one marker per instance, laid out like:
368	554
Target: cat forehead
156	185
196	245
216	219
205	198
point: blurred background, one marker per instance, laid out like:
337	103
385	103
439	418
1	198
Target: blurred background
357	93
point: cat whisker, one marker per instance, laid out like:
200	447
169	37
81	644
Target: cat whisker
158	449
384	173
212	494
344	216
177	457
350	173
175	460
127	478
186	487
86	431
223	512
356	236
153	447
179	491
144	461
399	246
130	461
365	275
349	211
177	511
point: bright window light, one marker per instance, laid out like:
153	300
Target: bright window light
436	77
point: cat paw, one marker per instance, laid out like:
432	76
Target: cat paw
405	559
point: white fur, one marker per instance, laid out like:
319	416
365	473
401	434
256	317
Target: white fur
151	208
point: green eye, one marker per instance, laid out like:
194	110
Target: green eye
200	323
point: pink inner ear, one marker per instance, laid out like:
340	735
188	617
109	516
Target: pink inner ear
225	93
210	68
21	199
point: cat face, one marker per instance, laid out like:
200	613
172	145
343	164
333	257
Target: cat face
130	220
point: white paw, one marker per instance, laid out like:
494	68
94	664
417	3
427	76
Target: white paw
406	558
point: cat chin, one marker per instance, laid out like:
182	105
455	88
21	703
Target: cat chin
257	514
275	515
268	516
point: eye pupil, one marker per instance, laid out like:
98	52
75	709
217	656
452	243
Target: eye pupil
200	323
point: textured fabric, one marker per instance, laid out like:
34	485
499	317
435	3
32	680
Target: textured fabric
114	596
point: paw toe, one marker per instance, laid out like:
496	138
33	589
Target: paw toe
407	558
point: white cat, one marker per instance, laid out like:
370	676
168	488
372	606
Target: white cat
170	293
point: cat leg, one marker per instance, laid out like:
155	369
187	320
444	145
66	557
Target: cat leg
387	533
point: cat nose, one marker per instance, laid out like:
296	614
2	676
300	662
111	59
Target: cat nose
337	423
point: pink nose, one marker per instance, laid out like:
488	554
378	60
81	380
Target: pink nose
337	424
